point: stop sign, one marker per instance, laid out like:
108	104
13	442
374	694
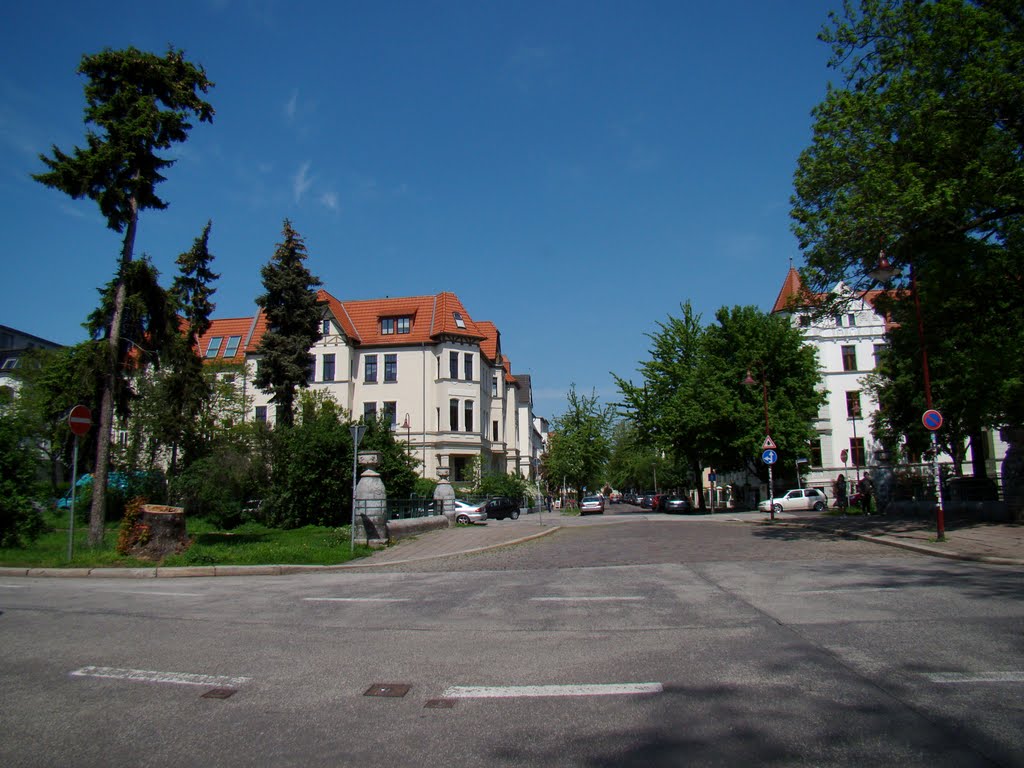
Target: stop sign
80	419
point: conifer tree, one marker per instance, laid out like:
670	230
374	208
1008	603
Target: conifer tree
293	323
139	104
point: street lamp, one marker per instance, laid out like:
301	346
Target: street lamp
408	435
750	382
883	273
854	414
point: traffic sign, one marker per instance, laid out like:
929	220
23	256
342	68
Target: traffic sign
80	420
769	457
931	419
768	444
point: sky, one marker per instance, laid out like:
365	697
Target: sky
573	171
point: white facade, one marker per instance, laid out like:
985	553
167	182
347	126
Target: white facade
439	376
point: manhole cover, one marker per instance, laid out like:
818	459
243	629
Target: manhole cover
391	690
219	693
439	704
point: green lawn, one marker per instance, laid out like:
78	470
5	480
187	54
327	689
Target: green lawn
247	545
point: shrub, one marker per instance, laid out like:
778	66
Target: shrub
21	519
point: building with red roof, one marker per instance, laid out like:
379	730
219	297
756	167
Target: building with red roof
437	374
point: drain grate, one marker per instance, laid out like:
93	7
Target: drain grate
389	690
439	704
219	693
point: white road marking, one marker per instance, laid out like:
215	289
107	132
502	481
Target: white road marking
848	589
977	677
144	593
149	676
12	586
356	599
595	599
525	691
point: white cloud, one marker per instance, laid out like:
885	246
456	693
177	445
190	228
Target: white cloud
329	200
301	182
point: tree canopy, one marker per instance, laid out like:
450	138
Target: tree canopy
579	443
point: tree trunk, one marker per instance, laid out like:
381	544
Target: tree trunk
97	512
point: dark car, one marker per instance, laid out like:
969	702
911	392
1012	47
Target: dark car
677	505
645	500
501	507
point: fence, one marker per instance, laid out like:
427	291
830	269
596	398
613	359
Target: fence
405	509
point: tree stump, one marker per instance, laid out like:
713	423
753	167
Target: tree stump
159	531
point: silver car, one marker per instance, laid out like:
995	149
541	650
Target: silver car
468	513
797	500
592	505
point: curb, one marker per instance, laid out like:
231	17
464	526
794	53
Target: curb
486	548
191	571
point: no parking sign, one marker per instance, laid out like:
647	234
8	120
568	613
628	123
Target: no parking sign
931	419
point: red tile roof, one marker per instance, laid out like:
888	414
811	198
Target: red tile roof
490	347
792	288
430	317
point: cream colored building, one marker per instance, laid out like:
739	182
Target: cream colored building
439	376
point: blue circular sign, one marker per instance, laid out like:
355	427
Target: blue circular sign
931	419
769	457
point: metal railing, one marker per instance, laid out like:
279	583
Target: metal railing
403	509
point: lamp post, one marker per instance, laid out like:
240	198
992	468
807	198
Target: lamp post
408	435
883	273
750	382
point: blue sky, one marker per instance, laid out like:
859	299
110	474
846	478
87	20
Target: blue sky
572	170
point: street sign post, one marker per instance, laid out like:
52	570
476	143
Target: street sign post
932	421
769	457
79	422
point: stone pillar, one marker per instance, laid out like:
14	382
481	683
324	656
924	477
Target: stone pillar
444	495
883	480
1013	472
371	510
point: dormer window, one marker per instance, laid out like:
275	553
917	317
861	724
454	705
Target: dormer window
392	325
459	322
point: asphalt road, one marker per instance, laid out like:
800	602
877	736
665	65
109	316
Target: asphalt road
636	644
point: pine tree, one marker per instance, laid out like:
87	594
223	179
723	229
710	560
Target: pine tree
119	170
293	323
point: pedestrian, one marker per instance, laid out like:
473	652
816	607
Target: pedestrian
840	490
864	486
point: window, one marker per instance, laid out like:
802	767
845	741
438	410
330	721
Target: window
369	412
261	414
857	451
311	369
370	368
10	363
460	468
214	347
494	431
805	321
469	366
851	320
853	405
325	327
391	412
453	415
494	385
403	325
849	358
390	367
879	351
328	369
469	415
816	452
387	326
459	322
453	365
232	346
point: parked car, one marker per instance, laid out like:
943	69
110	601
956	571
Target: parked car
592	505
658	502
500	507
678	505
798	499
645	500
469	513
